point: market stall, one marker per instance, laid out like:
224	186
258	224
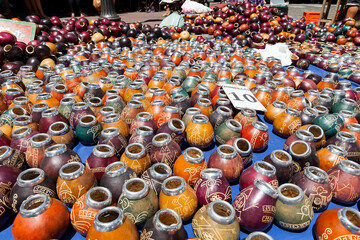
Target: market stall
138	131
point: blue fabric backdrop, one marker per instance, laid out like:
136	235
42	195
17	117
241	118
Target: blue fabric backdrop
275	142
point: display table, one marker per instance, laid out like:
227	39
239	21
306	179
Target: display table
275	142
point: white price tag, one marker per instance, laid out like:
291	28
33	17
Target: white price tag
280	51
242	97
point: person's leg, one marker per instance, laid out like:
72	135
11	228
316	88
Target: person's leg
351	12
172	7
33	5
71	7
7	8
38	5
78	6
353	8
28	6
177	6
167	6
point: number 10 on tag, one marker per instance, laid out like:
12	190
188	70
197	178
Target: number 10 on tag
242	97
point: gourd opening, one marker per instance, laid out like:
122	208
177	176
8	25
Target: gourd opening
350	165
200	118
235	123
177	123
306	134
20	130
355	126
30	175
54	148
107	110
82	104
226	149
315	131
135	186
290	192
67	100
248	111
34	203
173	184
111	117
224	109
143	115
347	135
60	87
299	148
243	145
222	210
57	127
211	171
259	238
71	168
21	99
18	111
178	97
353	218
40	138
116	167
103	149
109	130
321	108
161	138
161	169
281	156
99	195
50	111
108	216
14	90
87	119
168	219
307	102
264	166
95	100
2	151
194	153
317	173
347	100
112	97
312	111
135	149
145	129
